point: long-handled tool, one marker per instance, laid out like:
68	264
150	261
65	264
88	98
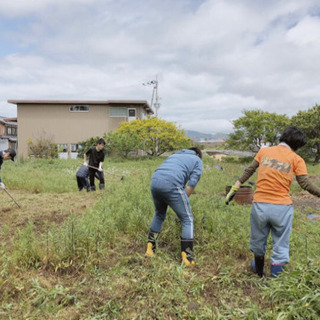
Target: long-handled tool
12	197
114	174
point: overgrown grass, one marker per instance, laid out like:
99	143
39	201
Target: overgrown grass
93	266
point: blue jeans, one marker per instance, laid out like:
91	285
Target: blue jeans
165	194
277	218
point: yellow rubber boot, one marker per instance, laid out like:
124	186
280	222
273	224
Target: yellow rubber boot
187	252
188	261
152	243
149	251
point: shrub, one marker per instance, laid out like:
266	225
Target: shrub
42	147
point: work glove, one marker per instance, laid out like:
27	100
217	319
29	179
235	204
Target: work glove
2	186
231	194
85	164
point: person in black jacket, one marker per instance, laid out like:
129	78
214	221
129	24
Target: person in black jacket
96	157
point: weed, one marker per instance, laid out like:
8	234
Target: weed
95	259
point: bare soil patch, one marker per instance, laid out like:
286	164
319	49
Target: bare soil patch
306	202
41	208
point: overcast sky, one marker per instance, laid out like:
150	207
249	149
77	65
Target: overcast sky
213	58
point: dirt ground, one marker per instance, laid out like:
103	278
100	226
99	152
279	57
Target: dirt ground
41	208
306	203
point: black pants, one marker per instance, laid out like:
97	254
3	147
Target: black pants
82	183
95	173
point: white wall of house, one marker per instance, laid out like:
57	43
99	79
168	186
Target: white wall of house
4	143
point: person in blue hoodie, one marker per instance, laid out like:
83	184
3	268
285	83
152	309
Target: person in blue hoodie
7	154
82	178
168	188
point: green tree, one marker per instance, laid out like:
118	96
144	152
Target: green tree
156	135
255	128
309	122
123	143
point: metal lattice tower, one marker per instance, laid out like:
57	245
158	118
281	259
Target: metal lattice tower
155	97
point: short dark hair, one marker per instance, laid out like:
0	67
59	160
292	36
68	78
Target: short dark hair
12	153
197	151
101	141
293	137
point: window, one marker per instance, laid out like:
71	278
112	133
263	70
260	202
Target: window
75	147
118	112
11	131
79	108
132	112
63	147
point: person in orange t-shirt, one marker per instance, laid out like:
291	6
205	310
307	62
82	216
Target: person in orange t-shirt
272	208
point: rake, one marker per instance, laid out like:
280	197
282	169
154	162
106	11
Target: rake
114	174
12	197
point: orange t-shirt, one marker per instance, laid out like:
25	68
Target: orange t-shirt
276	168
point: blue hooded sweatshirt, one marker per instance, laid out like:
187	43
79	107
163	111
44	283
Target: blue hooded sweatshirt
180	168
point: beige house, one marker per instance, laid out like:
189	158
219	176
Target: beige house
68	122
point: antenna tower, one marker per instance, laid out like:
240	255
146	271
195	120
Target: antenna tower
155	97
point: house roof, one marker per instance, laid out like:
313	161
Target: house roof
144	103
9	121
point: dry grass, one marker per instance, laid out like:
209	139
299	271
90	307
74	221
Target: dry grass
41	208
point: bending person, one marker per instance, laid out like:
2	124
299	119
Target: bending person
168	189
7	154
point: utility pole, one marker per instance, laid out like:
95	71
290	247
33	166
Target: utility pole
156	104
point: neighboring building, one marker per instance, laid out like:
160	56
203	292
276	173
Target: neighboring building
68	122
8	133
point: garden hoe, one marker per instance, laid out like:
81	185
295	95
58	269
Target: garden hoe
114	174
12	197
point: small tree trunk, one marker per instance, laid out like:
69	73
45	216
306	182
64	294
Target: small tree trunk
317	158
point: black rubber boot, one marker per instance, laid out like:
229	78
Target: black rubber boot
93	188
257	265
187	252
101	186
152	243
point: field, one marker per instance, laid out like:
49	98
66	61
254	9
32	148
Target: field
73	255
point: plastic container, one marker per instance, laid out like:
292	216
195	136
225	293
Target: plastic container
243	196
314	217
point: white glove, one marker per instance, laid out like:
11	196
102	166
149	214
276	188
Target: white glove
2	186
100	169
85	164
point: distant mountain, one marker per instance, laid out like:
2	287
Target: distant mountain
200	136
